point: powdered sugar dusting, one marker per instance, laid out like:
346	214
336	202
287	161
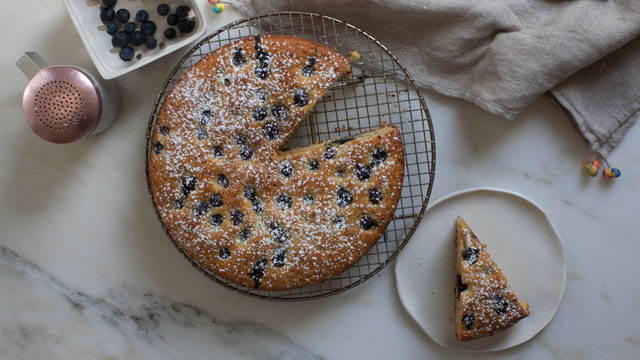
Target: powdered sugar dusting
229	115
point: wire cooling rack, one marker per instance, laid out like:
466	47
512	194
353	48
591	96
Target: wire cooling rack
380	91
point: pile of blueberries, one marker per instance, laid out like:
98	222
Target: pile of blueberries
131	34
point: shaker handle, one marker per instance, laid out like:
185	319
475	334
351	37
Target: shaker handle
31	63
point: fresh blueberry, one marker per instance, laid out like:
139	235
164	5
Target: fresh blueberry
223	181
300	97
169	33
363	172
122	15
107	3
216	200
467	321
183	11
205	116
277	232
142	16
271	130
257	272
308	71
375	195
314	165
186	25
157	147
148	27
280	112
378	157
188	183
262	70
179	204
137	38
126	53
129	27
163	9
151	43
216	151
329	153
216	220
278	258
470	255
244	234
173	19
245	152
122	38
202	134
283	201
367	222
460	286
258	206
238	57
499	304
107	14
286	169
250	193
309	68
224	253
201	209
236	217
260	114
114	41
344	197
112	27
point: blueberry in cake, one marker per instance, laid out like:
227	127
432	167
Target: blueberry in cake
238	205
485	302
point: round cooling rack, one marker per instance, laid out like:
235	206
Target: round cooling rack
379	91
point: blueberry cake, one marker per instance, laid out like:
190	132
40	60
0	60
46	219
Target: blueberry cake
485	302
239	205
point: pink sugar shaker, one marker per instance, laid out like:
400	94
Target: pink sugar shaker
64	103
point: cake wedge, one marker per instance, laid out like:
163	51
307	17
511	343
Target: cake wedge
485	303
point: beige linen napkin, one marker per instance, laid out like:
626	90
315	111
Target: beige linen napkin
501	55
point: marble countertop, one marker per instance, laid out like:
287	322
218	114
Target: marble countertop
87	273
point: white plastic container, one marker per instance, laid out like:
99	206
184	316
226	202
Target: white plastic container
86	17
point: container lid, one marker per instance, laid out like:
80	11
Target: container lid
62	104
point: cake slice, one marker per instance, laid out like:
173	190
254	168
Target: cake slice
485	302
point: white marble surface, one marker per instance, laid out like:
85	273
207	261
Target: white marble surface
87	273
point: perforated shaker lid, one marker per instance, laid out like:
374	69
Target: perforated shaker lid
62	104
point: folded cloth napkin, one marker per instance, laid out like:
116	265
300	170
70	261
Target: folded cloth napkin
501	55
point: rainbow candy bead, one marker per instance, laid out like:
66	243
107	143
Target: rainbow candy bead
591	167
218	8
213	2
611	173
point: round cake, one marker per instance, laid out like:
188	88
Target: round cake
236	203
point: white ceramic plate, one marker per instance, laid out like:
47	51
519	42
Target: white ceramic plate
519	237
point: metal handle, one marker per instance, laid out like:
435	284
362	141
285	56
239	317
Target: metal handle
31	63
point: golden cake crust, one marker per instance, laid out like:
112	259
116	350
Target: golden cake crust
485	303
244	210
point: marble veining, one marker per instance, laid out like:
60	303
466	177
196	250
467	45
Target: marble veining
50	320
